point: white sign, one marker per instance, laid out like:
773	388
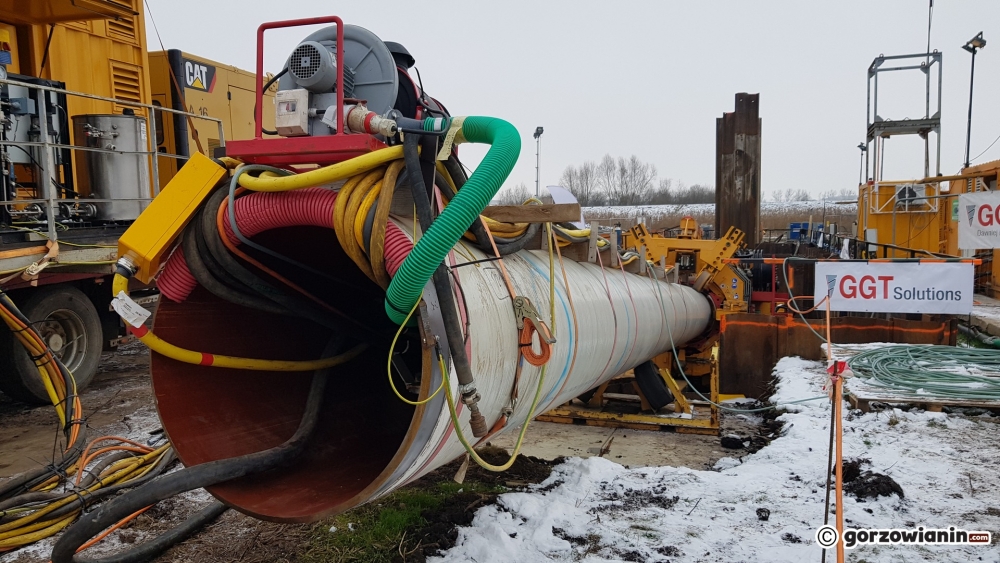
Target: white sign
979	220
896	287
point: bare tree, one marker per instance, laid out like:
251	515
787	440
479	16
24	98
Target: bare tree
607	178
639	178
799	195
843	194
582	182
663	195
626	181
513	195
791	195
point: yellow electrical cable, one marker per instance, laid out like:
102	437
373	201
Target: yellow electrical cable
14	528
345	211
362	216
25	539
325	175
376	245
160	346
61	242
538	391
36	349
388	364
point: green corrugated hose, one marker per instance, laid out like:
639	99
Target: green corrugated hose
464	208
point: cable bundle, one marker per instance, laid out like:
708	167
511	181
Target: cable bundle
41	503
932	371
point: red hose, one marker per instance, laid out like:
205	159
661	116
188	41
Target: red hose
176	281
263	211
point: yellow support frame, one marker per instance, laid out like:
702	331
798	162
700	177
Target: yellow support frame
595	414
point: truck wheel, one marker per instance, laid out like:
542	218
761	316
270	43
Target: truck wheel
653	387
68	322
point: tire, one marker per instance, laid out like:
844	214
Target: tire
67	320
653	387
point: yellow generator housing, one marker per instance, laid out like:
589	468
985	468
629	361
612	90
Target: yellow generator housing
207	88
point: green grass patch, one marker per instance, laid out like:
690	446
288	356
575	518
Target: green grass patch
374	533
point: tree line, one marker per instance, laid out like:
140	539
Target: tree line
617	181
628	181
790	194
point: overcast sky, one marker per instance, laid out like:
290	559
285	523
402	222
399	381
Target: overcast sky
649	78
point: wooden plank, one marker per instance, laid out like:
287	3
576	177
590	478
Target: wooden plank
930	404
590	416
26	251
549	212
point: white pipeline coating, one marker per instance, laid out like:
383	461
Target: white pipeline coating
614	322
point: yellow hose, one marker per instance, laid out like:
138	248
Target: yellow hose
39	533
169	350
325	175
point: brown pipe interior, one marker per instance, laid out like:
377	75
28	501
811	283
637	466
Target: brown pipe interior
213	413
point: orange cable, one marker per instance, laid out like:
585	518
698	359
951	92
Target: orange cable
810	310
86	458
83	463
107	532
503	268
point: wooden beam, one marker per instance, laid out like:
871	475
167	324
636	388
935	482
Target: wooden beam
26	251
550	212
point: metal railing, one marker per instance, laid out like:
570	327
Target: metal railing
47	185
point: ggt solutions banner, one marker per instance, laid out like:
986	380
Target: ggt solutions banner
896	287
979	220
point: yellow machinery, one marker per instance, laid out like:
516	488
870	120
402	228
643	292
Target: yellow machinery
920	217
702	265
210	89
92	56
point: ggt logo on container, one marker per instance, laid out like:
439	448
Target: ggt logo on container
979	225
896	287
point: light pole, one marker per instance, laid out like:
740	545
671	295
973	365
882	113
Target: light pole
538	158
861	167
972	45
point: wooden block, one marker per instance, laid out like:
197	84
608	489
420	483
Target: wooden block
592	248
549	212
578	251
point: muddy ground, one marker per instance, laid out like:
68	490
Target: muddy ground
120	402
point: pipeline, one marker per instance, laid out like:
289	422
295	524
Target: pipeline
350	222
368	443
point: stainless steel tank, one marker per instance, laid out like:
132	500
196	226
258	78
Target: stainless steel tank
122	175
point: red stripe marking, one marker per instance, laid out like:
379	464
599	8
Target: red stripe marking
140	331
207	359
368	121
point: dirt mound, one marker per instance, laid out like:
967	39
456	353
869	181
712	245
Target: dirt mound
441	530
526	468
863	483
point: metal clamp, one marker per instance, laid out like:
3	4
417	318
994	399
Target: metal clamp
523	309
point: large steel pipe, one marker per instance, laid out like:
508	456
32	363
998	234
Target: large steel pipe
369	442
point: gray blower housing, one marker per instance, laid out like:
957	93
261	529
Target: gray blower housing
369	73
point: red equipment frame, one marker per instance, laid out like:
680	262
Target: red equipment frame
326	149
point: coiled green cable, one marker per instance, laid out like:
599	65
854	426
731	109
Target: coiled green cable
931	371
